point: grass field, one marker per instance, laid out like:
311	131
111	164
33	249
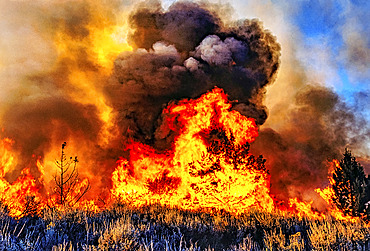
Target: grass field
122	227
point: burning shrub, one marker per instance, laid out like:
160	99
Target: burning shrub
228	174
163	184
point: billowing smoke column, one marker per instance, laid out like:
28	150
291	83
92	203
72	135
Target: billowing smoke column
182	53
188	50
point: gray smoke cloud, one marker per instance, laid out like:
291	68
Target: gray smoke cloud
182	53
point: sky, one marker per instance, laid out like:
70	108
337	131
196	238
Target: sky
331	27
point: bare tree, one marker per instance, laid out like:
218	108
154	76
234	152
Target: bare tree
68	189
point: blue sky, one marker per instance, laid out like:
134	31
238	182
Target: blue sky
316	19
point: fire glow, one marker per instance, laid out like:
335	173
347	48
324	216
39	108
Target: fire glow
104	94
197	173
189	176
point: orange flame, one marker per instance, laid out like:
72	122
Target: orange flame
304	209
193	175
18	195
328	193
190	175
27	195
208	166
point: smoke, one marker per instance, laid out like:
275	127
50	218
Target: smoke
49	77
57	85
355	53
319	127
308	123
182	53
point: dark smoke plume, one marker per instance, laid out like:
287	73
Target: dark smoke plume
182	53
320	127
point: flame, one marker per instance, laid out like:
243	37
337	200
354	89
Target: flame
7	157
197	172
192	174
25	190
304	209
328	194
208	166
19	193
26	195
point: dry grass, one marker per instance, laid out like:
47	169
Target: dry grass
158	228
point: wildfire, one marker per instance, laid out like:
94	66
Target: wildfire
304	209
27	195
199	171
85	54
18	195
207	167
328	194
